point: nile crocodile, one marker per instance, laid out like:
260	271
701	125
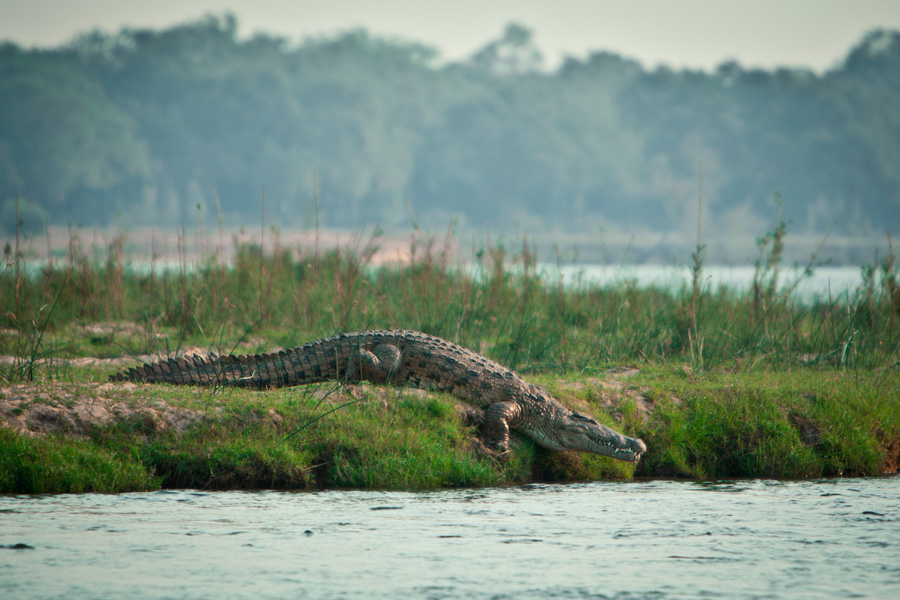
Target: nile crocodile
401	358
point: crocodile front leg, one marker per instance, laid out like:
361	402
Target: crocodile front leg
495	431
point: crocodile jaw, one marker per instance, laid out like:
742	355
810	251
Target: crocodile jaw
583	433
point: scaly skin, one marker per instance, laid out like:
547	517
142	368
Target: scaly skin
399	357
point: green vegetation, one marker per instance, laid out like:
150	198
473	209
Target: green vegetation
791	424
759	384
142	126
502	306
274	439
56	464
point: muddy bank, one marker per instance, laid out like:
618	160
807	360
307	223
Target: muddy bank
57	409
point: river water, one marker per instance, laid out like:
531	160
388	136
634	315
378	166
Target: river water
823	283
659	539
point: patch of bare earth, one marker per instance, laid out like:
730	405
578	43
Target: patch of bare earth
892	458
611	392
55	408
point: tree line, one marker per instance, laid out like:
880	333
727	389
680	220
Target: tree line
170	126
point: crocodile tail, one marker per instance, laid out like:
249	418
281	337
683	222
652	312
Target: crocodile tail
277	369
194	370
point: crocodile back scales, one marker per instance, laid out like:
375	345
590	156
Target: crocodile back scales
427	362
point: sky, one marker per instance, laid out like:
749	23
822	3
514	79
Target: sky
697	34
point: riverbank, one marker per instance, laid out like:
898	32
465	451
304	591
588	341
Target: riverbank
93	436
718	383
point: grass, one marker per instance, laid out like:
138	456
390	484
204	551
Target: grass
388	439
502	306
756	384
791	424
56	464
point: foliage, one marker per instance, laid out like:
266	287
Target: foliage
780	425
142	125
54	465
503	306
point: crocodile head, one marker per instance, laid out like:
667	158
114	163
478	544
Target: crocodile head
575	431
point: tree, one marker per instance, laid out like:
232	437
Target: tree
63	143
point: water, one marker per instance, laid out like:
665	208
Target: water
823	283
659	540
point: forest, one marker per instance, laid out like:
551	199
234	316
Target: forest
192	124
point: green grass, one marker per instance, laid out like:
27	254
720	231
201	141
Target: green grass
53	464
382	439
789	424
504	309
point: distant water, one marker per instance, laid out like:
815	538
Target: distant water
638	540
824	282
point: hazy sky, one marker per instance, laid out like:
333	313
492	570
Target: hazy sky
680	33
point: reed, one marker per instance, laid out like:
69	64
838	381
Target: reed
502	305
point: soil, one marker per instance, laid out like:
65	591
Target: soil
55	408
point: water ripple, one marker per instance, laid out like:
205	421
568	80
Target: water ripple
622	541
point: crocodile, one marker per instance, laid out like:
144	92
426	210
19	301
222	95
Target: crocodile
401	358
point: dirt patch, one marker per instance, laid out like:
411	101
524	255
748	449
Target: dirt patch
892	457
609	393
56	409
110	328
806	428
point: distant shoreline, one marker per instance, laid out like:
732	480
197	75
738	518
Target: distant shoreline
194	244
